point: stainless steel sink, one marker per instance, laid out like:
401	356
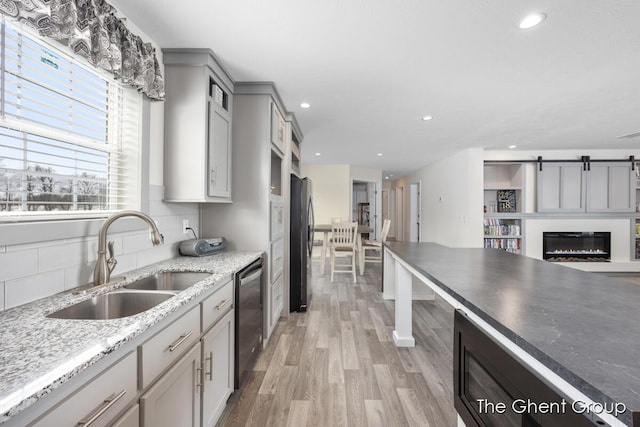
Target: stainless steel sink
112	305
168	281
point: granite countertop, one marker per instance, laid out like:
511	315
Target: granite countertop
39	354
583	326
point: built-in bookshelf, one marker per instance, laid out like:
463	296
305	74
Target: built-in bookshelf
503	233
503	206
636	240
635	232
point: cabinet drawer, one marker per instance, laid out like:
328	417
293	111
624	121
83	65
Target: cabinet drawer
276	301
100	400
277	259
216	305
165	348
277	219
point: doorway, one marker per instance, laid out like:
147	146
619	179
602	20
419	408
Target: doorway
364	205
414	212
397	213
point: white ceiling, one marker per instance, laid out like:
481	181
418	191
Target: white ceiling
372	68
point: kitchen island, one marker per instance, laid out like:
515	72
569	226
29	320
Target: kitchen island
43	358
580	331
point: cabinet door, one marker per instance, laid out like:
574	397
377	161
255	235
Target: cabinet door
561	188
217	355
219	151
131	418
277	302
278	128
610	188
175	399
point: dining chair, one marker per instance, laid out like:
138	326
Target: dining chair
375	246
343	241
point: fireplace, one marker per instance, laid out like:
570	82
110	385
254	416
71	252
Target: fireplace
576	246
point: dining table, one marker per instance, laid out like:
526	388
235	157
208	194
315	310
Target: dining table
326	229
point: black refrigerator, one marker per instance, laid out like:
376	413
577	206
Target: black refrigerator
302	224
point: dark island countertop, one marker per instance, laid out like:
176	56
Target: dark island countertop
583	326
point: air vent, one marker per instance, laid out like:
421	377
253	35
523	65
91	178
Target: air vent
629	136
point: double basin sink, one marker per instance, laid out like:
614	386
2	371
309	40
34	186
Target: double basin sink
133	298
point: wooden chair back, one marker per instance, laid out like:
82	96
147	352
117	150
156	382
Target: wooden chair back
386	225
343	234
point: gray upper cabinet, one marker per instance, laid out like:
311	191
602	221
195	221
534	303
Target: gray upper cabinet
198	122
602	187
560	188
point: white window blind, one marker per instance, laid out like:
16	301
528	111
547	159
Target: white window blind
69	135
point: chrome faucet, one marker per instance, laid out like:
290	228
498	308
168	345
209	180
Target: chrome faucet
104	266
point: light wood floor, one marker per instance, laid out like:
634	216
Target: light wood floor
337	366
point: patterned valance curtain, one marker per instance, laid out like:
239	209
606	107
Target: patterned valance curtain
91	29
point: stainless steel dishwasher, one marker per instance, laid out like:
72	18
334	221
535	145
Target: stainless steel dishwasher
249	318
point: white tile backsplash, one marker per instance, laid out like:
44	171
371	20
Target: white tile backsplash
34	270
16	264
78	275
30	288
126	263
64	255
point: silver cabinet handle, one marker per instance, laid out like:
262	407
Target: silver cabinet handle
180	340
222	304
108	403
210	359
199	379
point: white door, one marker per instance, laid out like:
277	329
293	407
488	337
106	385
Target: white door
391	206
399	217
414	212
373	209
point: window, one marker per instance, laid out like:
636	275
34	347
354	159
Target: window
69	135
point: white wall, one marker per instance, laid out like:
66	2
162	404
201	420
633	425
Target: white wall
331	186
451	200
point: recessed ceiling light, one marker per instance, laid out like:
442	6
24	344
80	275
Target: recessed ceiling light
386	177
425	118
305	105
379	154
317	154
531	20
512	146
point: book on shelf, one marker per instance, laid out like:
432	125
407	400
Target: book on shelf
497	227
509	245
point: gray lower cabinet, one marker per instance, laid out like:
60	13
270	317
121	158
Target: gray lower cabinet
131	418
174	400
179	376
100	400
217	357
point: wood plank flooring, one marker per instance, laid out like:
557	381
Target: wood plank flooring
336	364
